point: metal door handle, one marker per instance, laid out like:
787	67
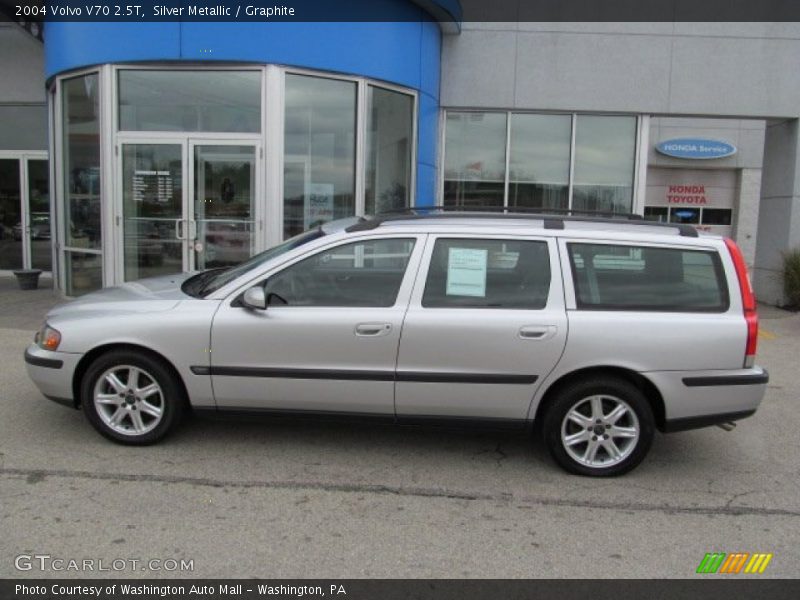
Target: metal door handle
179	232
537	332
373	329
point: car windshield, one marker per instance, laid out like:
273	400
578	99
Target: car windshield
208	282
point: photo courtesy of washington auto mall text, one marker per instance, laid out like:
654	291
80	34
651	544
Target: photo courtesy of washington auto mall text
176	590
399	299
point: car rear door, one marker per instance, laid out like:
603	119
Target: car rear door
332	347
485	325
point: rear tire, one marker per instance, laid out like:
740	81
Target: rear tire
599	427
131	397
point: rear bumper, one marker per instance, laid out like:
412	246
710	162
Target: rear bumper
52	373
726	380
673	425
695	399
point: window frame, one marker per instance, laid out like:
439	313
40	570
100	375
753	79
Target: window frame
554	289
639	156
235	289
702	222
574	302
120	69
276	151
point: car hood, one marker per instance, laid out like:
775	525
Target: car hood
146	295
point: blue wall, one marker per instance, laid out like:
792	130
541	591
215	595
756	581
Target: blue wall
405	52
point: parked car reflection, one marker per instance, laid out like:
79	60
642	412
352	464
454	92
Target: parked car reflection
39	227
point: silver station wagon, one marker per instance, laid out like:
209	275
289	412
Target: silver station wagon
592	332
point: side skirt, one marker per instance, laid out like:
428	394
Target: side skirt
423	421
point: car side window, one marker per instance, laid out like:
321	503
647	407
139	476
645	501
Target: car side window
360	274
487	273
622	277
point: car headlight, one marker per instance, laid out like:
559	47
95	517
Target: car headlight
47	338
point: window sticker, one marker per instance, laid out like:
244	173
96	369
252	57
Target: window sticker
466	272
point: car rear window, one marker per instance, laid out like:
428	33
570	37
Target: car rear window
623	277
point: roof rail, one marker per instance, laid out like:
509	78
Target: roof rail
552	218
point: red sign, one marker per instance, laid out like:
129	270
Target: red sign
686	194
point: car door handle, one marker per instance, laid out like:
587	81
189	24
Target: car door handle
537	332
373	329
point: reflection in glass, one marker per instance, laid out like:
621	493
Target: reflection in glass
684	215
717	216
319	152
389	133
11	234
223	101
84	272
656	213
81	160
604	159
539	161
152	208
39	215
475	155
224	187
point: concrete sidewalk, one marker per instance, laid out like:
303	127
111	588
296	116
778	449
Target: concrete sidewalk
25	309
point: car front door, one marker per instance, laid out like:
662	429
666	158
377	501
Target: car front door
485	325
328	339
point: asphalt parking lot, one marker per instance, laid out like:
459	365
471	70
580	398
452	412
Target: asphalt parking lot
299	499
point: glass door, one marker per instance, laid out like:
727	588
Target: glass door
11	226
38	242
25	233
186	205
222	222
154	229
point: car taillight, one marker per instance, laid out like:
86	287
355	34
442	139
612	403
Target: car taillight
748	302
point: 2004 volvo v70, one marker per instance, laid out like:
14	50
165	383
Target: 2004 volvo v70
598	330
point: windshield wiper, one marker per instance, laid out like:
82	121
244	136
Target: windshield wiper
208	277
194	286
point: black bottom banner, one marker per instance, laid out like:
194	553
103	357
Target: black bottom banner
388	589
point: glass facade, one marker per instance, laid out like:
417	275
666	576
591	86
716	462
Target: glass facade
691	215
218	101
604	159
10	215
539	161
80	98
39	222
555	161
390	137
319	152
25	223
475	159
196	180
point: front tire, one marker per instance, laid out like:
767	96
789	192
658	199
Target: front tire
131	397
599	427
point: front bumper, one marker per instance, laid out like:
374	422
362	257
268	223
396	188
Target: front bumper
52	373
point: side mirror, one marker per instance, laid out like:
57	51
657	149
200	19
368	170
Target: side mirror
254	297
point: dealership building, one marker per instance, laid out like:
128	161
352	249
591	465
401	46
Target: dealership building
177	146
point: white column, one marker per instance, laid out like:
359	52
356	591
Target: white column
747	204
779	211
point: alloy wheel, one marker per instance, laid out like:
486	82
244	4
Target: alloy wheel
129	400
600	431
